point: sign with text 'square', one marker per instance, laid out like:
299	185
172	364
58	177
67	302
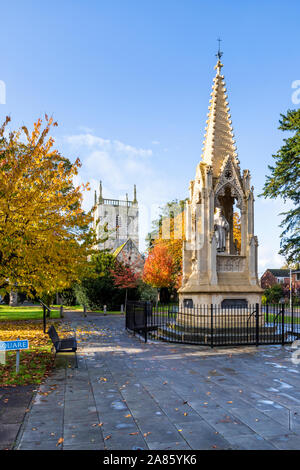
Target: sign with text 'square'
14	345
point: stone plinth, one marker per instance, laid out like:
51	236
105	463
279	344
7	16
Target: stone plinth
223	318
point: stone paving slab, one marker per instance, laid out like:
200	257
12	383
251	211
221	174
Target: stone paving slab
14	403
129	395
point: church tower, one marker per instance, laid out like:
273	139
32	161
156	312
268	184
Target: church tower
119	220
219	268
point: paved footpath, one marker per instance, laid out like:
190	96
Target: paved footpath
130	395
14	402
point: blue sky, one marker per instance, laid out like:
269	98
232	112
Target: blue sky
129	81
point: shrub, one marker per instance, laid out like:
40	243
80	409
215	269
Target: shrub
274	294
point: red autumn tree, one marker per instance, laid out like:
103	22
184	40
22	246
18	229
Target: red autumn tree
159	268
125	277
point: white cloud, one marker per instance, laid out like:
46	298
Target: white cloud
131	151
87	140
268	258
86	130
267	220
115	146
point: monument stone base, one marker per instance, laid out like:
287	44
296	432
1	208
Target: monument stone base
232	304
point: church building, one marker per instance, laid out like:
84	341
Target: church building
118	220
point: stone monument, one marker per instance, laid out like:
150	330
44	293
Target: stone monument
214	271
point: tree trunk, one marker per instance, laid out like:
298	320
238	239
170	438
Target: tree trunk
13	298
164	295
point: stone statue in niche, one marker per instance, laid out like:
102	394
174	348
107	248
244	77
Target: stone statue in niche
221	228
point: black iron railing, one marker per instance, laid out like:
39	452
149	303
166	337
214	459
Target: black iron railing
214	325
46	313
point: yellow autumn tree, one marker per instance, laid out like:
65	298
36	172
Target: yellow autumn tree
237	231
45	236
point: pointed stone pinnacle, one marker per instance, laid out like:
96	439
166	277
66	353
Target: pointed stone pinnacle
218	138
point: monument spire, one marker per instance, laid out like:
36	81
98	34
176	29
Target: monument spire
219	138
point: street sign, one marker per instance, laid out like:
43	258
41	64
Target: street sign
14	345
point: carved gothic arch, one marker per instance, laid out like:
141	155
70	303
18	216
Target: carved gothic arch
229	178
235	192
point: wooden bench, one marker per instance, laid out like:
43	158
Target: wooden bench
63	345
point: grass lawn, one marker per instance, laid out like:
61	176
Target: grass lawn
108	312
80	308
23	313
287	318
36	362
67	307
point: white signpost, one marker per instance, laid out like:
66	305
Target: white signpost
2	357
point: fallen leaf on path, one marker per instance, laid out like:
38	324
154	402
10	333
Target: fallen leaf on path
60	441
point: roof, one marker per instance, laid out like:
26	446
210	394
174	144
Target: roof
119	249
280	272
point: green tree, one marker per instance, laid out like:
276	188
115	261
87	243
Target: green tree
284	182
99	291
96	288
274	294
102	263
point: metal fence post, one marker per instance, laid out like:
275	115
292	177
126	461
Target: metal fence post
257	324
145	319
282	324
267	313
211	326
292	317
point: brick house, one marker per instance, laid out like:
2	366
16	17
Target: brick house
281	276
